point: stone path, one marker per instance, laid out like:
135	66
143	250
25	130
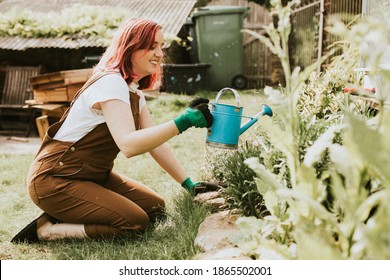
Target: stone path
215	231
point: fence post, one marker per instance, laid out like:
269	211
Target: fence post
365	8
320	34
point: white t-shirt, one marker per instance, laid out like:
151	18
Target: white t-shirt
82	118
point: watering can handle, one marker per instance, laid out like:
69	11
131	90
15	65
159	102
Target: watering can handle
232	90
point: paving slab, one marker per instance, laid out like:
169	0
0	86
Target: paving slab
19	145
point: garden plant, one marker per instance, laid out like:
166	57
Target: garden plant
326	189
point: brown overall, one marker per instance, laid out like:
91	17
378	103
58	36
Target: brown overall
74	182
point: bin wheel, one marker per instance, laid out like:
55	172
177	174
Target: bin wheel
239	82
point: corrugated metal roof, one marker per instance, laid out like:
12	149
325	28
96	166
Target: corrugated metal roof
20	43
171	14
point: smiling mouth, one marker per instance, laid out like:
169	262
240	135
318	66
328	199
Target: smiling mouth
154	62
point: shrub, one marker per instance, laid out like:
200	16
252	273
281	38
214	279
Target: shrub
237	179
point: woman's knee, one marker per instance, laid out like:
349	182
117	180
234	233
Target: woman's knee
130	224
160	203
156	208
137	222
134	219
97	231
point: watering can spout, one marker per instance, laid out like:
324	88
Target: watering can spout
266	111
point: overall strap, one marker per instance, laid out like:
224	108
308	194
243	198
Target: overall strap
90	81
134	103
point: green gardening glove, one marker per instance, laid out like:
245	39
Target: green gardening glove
199	187
197	114
188	184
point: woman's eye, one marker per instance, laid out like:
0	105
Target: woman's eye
155	46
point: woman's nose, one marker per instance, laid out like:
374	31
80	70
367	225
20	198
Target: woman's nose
159	52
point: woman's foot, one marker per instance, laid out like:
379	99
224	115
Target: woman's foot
44	225
29	234
45	228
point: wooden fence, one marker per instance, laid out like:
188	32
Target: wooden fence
380	9
309	40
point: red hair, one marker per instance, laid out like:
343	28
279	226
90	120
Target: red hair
133	35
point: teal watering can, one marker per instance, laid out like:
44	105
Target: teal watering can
226	128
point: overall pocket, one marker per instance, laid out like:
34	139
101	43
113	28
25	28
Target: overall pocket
71	167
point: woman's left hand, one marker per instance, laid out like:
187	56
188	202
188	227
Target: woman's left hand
199	187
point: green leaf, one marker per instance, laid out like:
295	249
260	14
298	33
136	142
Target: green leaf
372	145
282	139
271	201
308	183
266	181
348	164
299	199
365	208
266	41
316	246
317	150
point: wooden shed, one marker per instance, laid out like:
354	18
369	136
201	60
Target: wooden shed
61	53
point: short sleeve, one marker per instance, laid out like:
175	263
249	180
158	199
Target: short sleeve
109	87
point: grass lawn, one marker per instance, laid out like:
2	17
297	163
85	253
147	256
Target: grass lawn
170	239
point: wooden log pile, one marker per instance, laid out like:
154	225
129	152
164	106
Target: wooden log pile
53	92
58	86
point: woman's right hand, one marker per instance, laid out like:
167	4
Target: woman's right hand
197	114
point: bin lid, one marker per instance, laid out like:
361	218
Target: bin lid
219	10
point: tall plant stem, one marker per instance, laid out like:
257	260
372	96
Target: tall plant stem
285	61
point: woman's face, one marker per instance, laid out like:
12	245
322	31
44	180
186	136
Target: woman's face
147	62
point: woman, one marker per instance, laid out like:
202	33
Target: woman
71	178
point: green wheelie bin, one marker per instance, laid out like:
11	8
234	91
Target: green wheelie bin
219	43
